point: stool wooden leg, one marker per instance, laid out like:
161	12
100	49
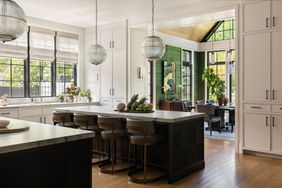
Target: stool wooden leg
145	163
129	150
113	155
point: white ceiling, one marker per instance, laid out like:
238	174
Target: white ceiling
81	12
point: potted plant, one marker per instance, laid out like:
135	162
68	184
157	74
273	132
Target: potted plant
214	84
88	94
73	91
61	97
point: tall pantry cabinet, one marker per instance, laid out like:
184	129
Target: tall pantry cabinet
111	76
261	56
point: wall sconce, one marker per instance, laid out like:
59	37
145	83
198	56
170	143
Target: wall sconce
140	72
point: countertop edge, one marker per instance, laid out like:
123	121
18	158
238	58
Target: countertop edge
43	143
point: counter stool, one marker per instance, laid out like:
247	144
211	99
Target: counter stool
142	133
89	122
113	130
63	119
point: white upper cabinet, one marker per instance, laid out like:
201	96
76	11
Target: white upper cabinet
257	67
119	74
119	36
277	14
257	16
106	76
276	66
106	39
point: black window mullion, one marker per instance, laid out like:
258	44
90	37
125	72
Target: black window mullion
11	78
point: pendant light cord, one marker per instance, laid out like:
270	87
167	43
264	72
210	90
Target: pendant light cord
96	24
153	18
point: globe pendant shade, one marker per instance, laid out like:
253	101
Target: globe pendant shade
153	48
96	54
12	20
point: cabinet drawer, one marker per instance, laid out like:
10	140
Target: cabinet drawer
30	112
277	108
9	113
257	107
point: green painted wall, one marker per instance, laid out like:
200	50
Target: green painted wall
199	84
172	54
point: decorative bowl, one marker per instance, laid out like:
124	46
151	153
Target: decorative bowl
4	123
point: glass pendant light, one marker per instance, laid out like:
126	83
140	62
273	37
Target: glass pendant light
96	53
153	47
12	20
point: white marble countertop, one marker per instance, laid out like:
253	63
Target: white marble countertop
157	115
45	104
39	135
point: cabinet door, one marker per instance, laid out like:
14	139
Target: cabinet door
119	73
106	102
106	38
48	119
93	82
257	16
36	119
119	38
257	67
106	76
276	66
277	14
257	132
276	139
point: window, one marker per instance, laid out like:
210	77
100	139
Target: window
219	68
40	78
232	77
66	74
11	77
33	74
225	31
186	75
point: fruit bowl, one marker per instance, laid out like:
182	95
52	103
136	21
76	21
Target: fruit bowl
4	123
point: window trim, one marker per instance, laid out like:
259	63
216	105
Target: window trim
191	73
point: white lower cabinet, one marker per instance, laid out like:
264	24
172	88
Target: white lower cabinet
263	133
257	132
276	134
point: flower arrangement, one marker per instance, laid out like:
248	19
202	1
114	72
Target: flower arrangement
73	91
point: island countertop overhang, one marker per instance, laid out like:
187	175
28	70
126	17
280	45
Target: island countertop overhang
39	135
157	116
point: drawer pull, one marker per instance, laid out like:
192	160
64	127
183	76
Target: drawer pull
273	121
280	108
256	107
6	113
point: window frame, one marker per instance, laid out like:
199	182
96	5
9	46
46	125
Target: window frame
64	68
10	64
190	66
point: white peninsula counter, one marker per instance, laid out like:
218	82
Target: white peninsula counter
185	137
46	155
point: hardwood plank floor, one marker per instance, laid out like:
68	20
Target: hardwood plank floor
224	169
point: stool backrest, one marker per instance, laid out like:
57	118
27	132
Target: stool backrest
62	117
140	127
86	121
107	123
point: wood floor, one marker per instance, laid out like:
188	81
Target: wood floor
223	169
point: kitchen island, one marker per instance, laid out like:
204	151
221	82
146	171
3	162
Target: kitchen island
184	153
45	156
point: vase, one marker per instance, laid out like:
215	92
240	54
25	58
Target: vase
70	99
220	101
225	101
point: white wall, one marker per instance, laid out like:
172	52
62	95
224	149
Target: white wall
69	29
140	86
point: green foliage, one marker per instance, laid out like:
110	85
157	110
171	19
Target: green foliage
215	85
61	97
